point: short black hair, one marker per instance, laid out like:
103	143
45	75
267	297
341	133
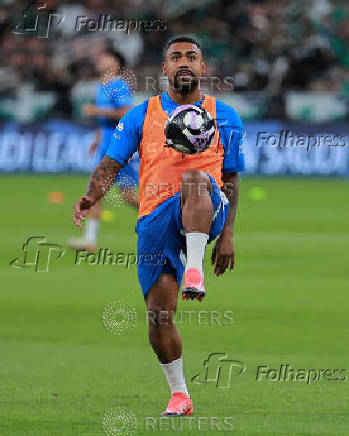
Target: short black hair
116	55
181	38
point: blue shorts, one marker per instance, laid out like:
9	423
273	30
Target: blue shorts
161	244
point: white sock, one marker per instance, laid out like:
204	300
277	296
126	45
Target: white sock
196	244
91	230
175	376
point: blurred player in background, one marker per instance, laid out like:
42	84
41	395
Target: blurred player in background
185	203
113	100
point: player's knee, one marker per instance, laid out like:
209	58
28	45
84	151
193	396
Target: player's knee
193	176
159	315
195	179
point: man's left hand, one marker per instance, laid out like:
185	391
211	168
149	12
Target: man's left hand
223	254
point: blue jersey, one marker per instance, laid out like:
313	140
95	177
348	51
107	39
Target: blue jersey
112	95
128	133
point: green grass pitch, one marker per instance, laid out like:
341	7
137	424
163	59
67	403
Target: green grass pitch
61	370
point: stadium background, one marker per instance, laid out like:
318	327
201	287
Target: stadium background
61	370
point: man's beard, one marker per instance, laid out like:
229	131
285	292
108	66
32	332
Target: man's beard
186	86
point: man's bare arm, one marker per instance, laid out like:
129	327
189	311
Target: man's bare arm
231	190
99	184
223	251
102	178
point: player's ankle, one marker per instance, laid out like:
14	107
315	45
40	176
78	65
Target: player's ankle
196	244
175	376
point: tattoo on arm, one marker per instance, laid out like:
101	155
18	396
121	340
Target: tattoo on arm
102	178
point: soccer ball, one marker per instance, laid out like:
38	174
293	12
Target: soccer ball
189	129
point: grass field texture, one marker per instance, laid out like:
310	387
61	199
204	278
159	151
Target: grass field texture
61	370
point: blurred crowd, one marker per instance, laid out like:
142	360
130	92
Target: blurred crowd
265	45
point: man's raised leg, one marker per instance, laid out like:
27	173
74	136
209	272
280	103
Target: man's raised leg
197	214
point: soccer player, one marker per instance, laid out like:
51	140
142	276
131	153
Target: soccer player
185	203
113	100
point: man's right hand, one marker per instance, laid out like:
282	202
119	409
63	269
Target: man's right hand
81	210
100	181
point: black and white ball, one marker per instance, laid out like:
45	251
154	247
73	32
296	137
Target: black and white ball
190	129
